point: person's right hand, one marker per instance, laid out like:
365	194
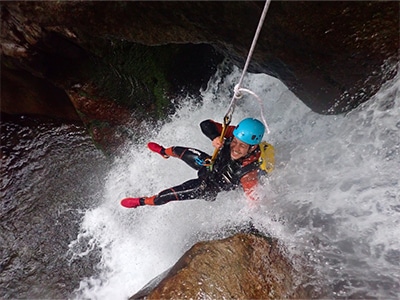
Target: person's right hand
217	142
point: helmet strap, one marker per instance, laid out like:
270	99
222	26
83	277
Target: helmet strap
251	150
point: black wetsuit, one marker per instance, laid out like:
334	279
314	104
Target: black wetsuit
225	174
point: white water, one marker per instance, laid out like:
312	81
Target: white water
335	190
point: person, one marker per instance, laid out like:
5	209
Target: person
236	164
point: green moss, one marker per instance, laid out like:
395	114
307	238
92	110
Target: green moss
135	76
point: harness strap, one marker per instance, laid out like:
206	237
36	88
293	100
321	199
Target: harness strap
246	169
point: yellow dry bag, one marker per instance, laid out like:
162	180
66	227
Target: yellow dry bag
267	157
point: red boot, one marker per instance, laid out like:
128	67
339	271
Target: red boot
158	149
130	202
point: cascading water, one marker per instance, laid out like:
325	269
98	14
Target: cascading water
334	197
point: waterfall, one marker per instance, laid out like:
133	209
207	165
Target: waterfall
333	198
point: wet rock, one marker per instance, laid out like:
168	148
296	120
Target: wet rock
30	95
107	121
244	266
333	55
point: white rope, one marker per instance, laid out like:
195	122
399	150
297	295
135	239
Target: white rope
238	89
253	45
261	106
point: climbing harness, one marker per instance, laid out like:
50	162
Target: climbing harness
238	89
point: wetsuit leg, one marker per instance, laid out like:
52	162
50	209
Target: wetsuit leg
192	157
191	189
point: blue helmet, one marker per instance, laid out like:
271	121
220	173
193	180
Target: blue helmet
249	131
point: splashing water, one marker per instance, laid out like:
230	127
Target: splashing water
335	190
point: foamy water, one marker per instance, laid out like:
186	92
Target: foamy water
335	192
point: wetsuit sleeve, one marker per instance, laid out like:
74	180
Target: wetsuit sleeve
213	129
249	182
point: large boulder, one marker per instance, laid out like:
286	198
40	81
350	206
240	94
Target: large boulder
243	266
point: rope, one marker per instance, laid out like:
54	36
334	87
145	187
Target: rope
261	106
236	94
237	91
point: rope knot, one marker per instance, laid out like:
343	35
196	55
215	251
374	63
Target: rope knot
237	92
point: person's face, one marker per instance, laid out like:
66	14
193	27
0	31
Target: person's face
238	149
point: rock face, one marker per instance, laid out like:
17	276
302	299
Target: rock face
332	55
244	266
23	93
